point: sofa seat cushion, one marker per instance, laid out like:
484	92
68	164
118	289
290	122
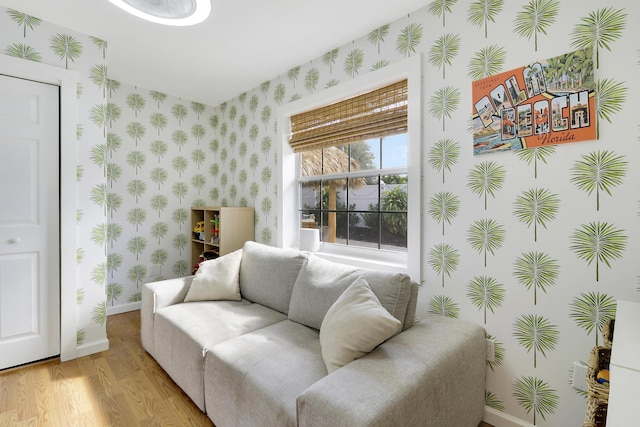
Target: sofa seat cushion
255	379
183	332
267	274
321	282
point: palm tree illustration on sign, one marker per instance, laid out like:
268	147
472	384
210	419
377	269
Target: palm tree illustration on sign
535	395
66	47
485	179
536	270
443	207
487	62
592	310
486	235
532	155
535	333
536	206
443	306
444	155
599	171
441	7
535	18
599	242
444	102
599	30
485	293
481	12
443	258
444	50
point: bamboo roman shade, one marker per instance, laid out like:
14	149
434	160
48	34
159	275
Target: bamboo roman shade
374	114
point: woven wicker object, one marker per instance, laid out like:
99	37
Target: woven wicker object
607	332
598	394
596	414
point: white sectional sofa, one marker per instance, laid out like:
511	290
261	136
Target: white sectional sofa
278	337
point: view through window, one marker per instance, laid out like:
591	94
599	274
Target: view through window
356	193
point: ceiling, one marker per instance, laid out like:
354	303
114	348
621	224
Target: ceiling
242	44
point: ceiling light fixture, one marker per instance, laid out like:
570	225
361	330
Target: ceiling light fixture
167	12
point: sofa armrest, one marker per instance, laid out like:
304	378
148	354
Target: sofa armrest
432	374
156	295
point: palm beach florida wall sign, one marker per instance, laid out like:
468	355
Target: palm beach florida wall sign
544	103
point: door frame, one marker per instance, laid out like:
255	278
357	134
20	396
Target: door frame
67	80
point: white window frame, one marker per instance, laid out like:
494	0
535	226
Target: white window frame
288	222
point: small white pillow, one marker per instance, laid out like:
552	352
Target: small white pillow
354	325
217	279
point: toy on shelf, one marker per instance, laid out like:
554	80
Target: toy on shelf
204	256
215	229
603	376
198	231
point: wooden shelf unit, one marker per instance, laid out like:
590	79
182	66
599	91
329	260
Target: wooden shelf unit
236	226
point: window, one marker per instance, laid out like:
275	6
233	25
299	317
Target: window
368	184
341	169
356	194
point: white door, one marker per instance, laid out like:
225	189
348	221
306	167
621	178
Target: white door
29	221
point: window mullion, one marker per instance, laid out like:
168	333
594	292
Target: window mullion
356	174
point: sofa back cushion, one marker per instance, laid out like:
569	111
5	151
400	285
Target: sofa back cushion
267	274
321	282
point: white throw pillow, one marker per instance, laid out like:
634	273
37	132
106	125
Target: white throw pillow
217	279
354	325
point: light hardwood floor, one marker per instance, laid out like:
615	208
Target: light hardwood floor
122	386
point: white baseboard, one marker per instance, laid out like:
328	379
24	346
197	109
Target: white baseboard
500	419
92	347
124	308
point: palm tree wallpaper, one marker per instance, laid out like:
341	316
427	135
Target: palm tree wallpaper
534	245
